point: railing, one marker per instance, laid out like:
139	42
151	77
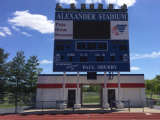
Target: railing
142	106
34	106
55	106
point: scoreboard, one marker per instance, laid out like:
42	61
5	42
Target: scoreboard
91	42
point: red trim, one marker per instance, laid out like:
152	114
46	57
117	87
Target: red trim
132	85
109	85
50	85
112	85
71	85
125	85
58	85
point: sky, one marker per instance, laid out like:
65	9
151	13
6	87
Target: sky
28	25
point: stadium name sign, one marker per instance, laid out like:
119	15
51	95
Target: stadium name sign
92	16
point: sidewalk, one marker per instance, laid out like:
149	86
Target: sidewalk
90	110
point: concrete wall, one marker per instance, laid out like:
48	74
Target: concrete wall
83	81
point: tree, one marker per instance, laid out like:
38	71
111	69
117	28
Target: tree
158	78
84	89
158	88
17	74
32	73
3	73
151	86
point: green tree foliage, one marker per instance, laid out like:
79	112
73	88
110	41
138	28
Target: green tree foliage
84	89
93	88
17	74
151	86
158	88
158	78
3	73
32	73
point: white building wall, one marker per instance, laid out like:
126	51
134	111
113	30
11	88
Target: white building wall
83	80
39	94
143	96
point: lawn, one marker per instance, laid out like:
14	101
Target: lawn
12	104
91	97
7	105
153	96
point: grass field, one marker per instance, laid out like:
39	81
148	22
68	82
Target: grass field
91	97
7	105
12	104
153	96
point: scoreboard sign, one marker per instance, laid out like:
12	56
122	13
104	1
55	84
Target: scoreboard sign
91	42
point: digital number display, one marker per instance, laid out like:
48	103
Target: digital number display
63	42
91	29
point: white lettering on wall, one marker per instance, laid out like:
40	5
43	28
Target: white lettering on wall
90	16
102	67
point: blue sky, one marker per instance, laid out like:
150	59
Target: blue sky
28	25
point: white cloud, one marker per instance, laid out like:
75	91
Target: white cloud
67	1
135	68
6	30
121	2
45	62
2	34
93	1
24	33
116	7
139	56
33	21
13	27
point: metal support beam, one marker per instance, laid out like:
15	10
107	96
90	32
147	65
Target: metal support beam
91	6
105	89
72	6
100	6
119	91
83	6
77	100
124	6
58	6
64	79
110	6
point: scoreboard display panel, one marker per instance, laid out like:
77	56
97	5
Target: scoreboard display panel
91	42
91	30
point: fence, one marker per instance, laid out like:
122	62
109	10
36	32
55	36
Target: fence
34	106
153	95
133	105
22	97
54	106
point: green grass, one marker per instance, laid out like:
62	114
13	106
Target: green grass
7	105
153	96
11	105
91	97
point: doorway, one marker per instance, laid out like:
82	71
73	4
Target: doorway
71	97
91	95
111	96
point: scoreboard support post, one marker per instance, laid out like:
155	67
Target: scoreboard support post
119	105
77	105
64	80
105	104
63	105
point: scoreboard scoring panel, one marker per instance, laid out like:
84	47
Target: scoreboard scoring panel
94	43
